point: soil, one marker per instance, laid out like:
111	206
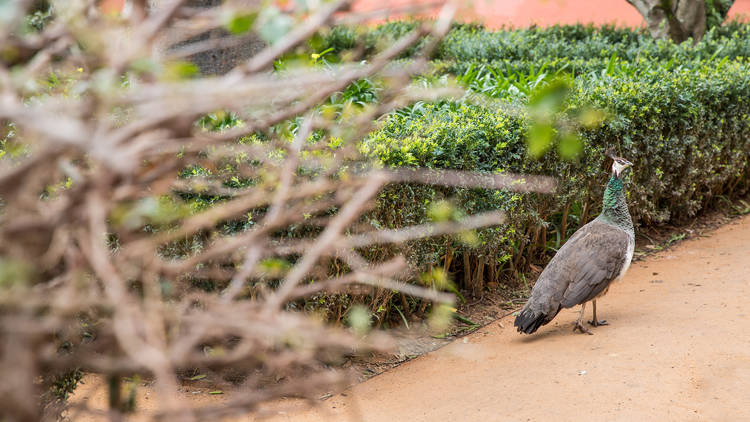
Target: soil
676	348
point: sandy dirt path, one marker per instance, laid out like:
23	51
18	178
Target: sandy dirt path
677	349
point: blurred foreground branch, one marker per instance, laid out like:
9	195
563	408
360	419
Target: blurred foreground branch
155	221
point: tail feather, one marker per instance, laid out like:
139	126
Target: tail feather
529	321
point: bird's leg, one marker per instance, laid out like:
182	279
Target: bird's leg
579	324
595	322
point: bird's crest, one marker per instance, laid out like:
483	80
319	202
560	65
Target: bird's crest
618	163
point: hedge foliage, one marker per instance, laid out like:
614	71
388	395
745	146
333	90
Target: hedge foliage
681	113
587	43
562	44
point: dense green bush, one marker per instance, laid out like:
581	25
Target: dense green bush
342	38
681	113
575	43
586	43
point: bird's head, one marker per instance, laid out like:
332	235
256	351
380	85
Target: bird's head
619	164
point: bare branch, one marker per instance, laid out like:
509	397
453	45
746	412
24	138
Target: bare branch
353	208
504	181
143	237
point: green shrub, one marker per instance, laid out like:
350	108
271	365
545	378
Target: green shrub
342	38
586	43
679	112
566	43
684	126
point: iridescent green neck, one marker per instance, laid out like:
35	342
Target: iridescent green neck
615	207
614	190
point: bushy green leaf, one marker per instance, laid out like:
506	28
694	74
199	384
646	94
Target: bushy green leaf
240	23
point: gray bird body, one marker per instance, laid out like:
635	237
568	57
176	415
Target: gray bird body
583	268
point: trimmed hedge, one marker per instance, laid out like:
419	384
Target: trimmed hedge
473	43
586	43
680	114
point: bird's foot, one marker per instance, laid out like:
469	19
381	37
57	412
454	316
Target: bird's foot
582	328
596	323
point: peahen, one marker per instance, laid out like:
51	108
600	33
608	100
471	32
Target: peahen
583	268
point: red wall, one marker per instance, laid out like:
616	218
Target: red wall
521	13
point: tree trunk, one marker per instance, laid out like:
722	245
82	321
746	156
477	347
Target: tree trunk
677	20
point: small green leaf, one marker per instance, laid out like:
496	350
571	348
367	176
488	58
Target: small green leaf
437	278
540	139
570	146
241	22
359	319
216	392
275	25
549	98
274	267
440	317
180	70
469	238
440	211
591	118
